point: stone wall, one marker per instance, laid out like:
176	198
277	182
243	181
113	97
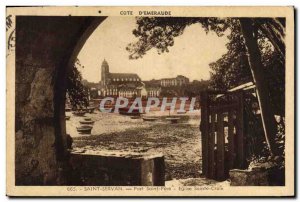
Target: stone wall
45	49
102	169
258	176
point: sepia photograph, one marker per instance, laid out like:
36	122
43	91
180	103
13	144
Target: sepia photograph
150	101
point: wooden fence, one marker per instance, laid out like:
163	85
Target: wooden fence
222	133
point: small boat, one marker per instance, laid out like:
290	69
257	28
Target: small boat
150	118
67	117
84	129
135	117
125	111
87	122
173	119
87	119
79	113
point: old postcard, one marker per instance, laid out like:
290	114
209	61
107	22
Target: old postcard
150	101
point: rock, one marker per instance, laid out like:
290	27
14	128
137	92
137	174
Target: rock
248	178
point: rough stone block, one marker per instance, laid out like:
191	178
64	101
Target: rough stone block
248	177
109	169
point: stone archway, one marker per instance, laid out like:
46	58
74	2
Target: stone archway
46	47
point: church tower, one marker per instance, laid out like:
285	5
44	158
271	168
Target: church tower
104	72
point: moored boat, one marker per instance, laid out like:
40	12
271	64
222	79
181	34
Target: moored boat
173	119
150	118
135	117
84	129
125	111
86	122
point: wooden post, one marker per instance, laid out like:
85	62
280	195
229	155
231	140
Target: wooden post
220	146
204	130
231	149
211	146
240	131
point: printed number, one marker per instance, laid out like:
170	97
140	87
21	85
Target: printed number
71	189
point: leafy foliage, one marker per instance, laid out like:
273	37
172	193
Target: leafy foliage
159	33
76	92
232	69
274	69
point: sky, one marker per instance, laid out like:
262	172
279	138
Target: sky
190	56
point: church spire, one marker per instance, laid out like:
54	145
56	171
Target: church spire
104	71
104	63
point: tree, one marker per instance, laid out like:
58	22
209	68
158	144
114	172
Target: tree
232	69
159	33
76	92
